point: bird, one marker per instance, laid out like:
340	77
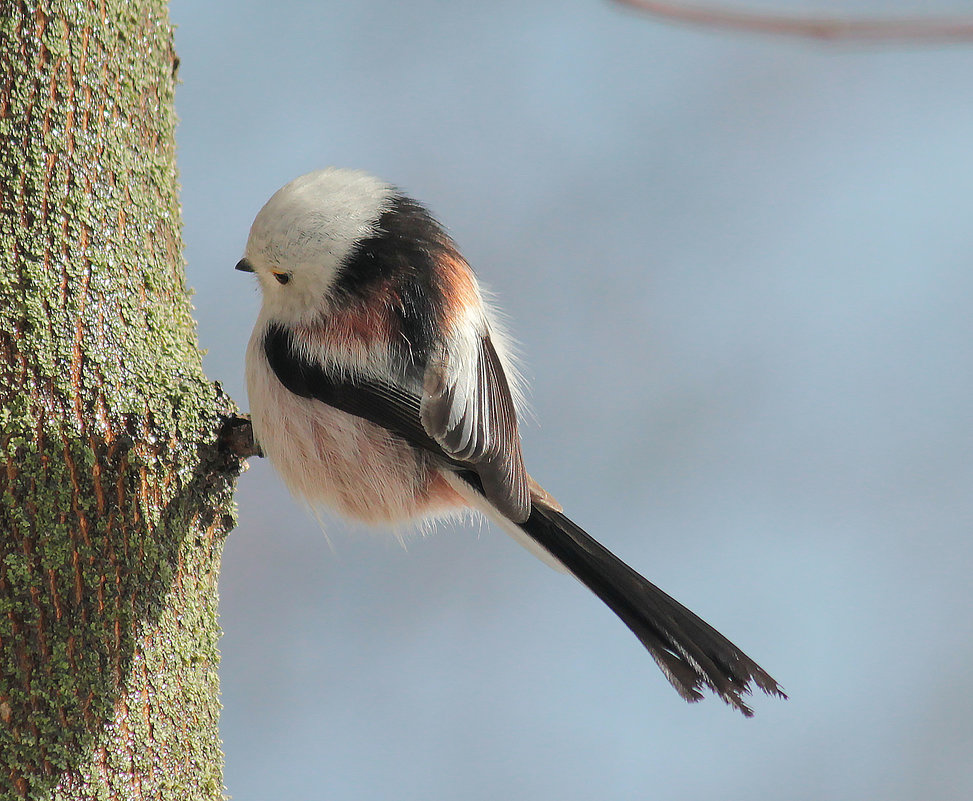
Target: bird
382	386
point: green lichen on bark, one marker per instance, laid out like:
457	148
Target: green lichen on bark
114	496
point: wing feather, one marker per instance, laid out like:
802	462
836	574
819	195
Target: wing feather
468	408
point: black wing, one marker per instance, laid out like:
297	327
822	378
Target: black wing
379	402
481	436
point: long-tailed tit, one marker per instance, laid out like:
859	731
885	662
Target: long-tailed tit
381	386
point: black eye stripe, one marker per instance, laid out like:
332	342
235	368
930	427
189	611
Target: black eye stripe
282	278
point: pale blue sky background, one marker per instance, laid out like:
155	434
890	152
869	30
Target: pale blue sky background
740	270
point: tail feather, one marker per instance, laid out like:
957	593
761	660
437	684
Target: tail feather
691	653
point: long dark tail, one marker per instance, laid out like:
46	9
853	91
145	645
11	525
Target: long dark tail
691	653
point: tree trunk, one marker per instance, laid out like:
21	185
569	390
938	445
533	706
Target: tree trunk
114	494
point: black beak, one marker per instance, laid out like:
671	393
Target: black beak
244	266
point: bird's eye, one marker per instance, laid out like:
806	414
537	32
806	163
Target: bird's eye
282	278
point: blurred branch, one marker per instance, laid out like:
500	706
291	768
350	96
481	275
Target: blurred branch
912	29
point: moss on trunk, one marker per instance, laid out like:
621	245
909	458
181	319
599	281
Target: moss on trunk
114	496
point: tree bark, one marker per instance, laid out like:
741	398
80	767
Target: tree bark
115	496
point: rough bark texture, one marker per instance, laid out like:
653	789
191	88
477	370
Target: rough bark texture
114	496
